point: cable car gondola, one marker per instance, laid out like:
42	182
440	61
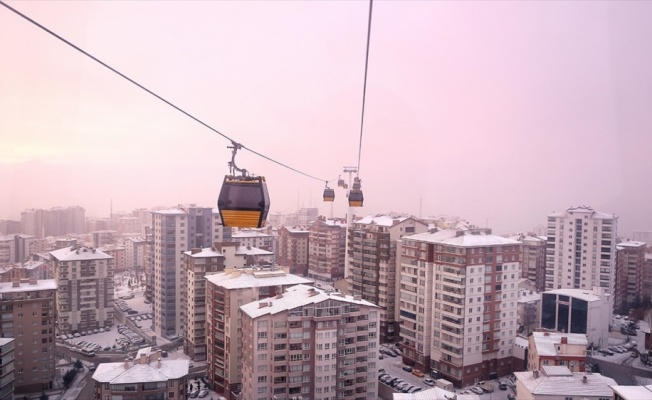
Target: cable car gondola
340	183
355	195
243	201
329	194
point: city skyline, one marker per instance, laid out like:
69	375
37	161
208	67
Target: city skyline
499	113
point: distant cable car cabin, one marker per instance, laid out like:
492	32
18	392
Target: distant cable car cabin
243	201
340	183
329	194
355	195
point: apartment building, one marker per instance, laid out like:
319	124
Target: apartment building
458	293
631	276
372	264
553	348
327	249
255	238
146	377
119	255
533	259
558	382
581	249
198	263
135	253
225	293
587	312
7	376
85	297
310	343
175	231
293	249
56	221
28	316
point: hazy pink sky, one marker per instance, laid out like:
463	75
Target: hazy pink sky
493	111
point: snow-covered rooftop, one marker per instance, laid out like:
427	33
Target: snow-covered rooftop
382	220
25	286
297	296
463	238
206	252
631	243
633	392
255	277
249	234
434	393
583	209
137	372
568	384
582	294
252	251
545	342
74	253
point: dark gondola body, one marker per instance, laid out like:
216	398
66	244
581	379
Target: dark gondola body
329	194
243	201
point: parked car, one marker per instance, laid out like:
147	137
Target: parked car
418	373
429	381
476	390
510	397
502	386
203	393
407	368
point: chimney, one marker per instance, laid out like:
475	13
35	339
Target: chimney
546	334
535	373
127	362
158	363
15	282
143	358
564	340
195	250
585	379
32	280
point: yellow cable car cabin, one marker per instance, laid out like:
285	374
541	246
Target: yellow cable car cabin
243	201
329	194
355	195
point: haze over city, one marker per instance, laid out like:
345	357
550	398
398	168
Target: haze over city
497	112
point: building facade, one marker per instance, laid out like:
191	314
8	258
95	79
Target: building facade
85	297
225	293
293	249
631	276
533	259
175	231
457	302
135	253
327	249
7	355
198	263
581	249
28	316
587	312
310	343
56	221
372	262
559	383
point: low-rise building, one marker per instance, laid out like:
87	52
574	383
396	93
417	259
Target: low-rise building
551	348
622	392
558	382
7	368
147	377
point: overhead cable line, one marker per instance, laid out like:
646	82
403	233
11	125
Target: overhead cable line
364	87
154	94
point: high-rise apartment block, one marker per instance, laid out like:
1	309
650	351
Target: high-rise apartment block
225	293
631	276
372	264
309	343
533	259
293	249
135	253
56	221
198	263
86	294
581	249
175	231
458	303
16	248
7	369
28	316
327	249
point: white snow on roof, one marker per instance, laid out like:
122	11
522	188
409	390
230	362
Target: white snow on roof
250	278
41	284
74	253
584	209
252	251
463	238
633	392
596	385
297	296
249	234
631	243
116	373
521	342
204	253
295	229
434	393
524	296
335	222
582	294
545	342
4	341
382	220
